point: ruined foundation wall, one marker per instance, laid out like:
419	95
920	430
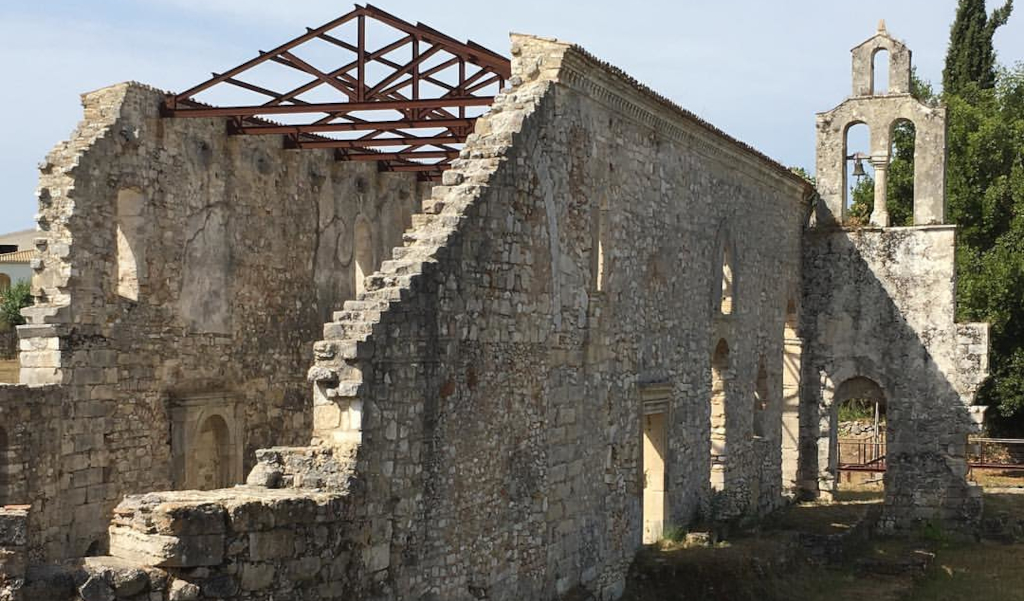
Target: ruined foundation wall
879	304
183	276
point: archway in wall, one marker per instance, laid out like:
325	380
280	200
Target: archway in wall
362	253
900	174
859	436
720	376
858	174
211	455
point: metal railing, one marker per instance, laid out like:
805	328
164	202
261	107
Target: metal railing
861	455
995	453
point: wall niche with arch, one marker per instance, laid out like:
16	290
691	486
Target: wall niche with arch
206	441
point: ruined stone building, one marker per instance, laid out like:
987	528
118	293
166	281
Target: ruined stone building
261	367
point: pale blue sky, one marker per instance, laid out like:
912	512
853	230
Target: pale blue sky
759	70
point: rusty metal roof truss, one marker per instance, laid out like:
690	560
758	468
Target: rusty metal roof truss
408	104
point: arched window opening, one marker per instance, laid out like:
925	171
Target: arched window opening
212	454
880	72
728	281
900	178
761	402
130	204
720	376
363	244
860	434
792	348
858	175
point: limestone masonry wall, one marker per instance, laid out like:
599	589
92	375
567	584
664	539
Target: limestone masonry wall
182	276
880	305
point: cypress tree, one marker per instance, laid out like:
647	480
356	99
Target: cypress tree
971	57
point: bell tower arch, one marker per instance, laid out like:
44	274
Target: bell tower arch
880	111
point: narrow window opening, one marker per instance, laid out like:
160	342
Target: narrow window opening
728	276
880	72
791	351
130	204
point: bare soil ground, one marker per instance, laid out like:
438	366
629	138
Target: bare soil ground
9	372
764	565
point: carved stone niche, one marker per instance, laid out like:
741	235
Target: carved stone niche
206	441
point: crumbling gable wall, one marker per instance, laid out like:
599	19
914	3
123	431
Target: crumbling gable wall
183	274
494	386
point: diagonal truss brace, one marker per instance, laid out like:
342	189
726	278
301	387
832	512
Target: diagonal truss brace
381	120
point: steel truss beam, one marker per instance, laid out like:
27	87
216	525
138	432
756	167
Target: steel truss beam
387	110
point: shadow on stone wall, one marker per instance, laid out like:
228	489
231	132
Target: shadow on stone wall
879	304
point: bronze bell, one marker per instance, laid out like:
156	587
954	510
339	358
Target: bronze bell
858	168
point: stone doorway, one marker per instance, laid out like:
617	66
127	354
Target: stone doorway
655	455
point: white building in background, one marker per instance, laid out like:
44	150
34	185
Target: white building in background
14	264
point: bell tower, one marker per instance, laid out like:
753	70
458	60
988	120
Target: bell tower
881	111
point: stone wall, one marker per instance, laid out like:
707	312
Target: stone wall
184	277
8	344
879	304
477	411
493	377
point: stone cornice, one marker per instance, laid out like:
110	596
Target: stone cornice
609	87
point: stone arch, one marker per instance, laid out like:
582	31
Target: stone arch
130	261
844	379
718	426
363	254
212	454
854	153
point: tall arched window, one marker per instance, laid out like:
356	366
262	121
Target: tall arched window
719	396
880	72
363	253
130	204
858	174
791	351
728	280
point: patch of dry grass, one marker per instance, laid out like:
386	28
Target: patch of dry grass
9	372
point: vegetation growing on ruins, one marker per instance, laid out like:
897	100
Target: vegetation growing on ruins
985	186
12	301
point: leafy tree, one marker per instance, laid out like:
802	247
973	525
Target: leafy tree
971	58
12	301
985	184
